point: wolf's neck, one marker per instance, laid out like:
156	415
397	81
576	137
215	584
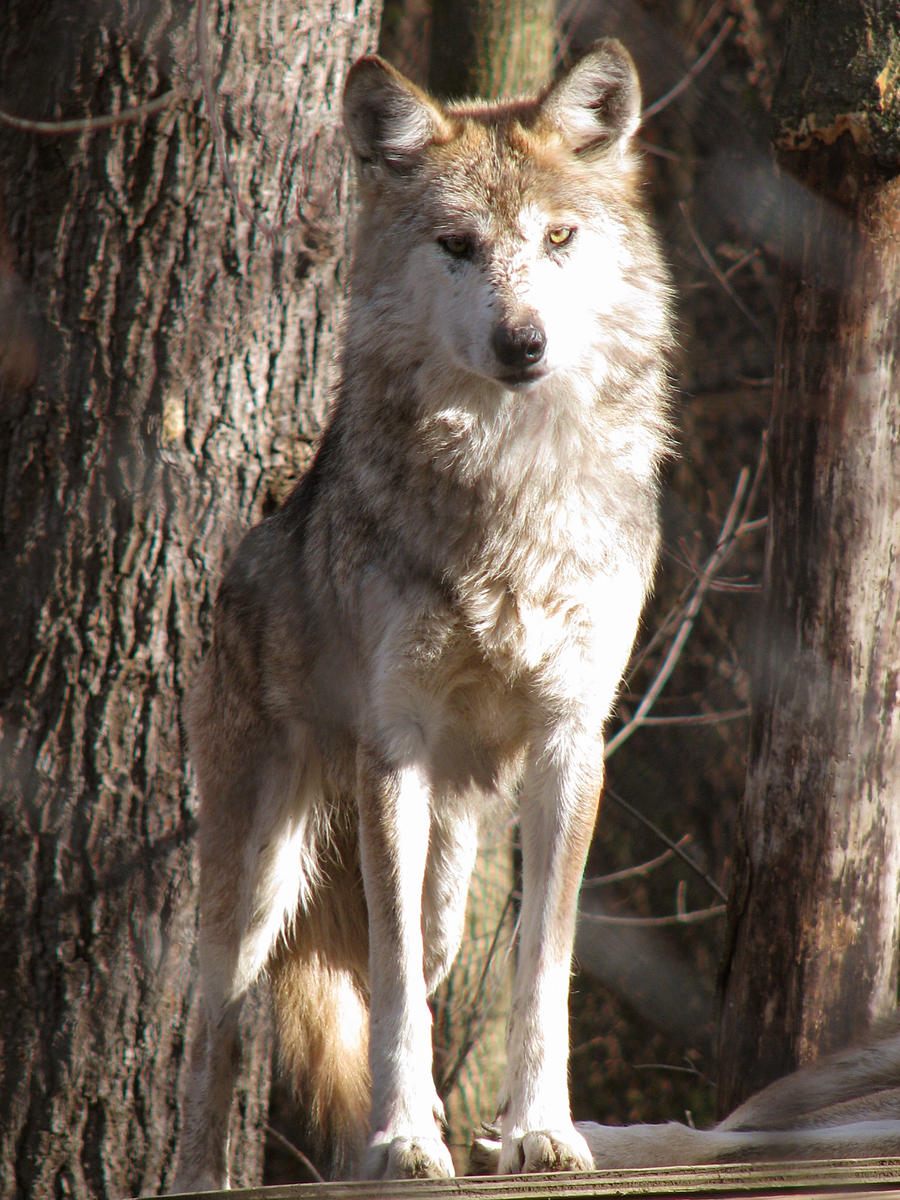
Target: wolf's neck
461	473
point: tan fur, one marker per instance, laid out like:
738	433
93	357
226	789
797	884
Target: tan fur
845	1106
438	617
318	974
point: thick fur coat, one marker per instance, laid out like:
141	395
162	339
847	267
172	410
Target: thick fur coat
438	617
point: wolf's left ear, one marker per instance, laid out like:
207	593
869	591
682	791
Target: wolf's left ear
597	104
389	121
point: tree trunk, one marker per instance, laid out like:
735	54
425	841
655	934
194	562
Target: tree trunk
185	364
814	909
490	47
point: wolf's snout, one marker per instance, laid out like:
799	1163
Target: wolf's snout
519	346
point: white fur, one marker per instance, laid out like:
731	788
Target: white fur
445	606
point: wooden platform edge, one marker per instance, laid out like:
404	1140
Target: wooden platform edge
859	1177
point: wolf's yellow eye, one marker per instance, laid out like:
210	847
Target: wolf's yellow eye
456	244
560	235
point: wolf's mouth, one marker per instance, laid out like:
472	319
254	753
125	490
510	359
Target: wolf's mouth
524	377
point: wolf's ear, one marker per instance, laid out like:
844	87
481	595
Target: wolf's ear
597	104
389	121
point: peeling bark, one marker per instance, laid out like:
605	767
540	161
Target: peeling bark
184	370
813	956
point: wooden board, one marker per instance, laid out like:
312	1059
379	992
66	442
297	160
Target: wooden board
852	1177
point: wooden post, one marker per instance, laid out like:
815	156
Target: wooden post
813	915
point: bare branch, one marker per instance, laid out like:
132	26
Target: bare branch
675	847
720	276
90	124
641	869
693	71
724	545
294	1151
713	718
687	918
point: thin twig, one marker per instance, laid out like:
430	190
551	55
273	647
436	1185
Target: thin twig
706	21
716	584
752	526
675	847
641	869
719	275
713	718
688	1070
665	626
294	1151
724	544
692	73
763	381
90	124
479	1007
564	26
742	262
659	152
734	585
688	918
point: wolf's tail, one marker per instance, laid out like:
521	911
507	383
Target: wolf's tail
858	1083
319	985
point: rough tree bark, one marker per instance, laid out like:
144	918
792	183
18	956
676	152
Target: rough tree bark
814	909
185	365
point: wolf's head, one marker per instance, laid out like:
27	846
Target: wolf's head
500	240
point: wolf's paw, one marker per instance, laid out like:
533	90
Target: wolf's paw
409	1158
545	1150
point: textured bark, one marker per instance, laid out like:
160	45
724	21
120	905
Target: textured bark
490	47
814	910
185	364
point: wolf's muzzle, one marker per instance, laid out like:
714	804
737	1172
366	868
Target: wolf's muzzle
519	347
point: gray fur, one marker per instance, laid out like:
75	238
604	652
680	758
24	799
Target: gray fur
443	607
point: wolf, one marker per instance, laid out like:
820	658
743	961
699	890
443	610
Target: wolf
438	618
845	1105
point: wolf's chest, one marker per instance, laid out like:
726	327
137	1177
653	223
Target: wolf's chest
518	631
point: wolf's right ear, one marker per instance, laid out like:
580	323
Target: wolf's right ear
597	104
389	121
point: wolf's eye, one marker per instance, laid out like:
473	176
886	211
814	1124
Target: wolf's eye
457	245
560	235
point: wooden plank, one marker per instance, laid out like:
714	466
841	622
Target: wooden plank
861	1178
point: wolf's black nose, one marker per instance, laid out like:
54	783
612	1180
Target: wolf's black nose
519	346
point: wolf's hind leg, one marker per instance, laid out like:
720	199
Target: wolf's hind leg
203	1142
255	859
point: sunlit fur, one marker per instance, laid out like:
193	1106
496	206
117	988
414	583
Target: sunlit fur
438	616
847	1105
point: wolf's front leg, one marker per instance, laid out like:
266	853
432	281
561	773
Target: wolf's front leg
406	1117
558	808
